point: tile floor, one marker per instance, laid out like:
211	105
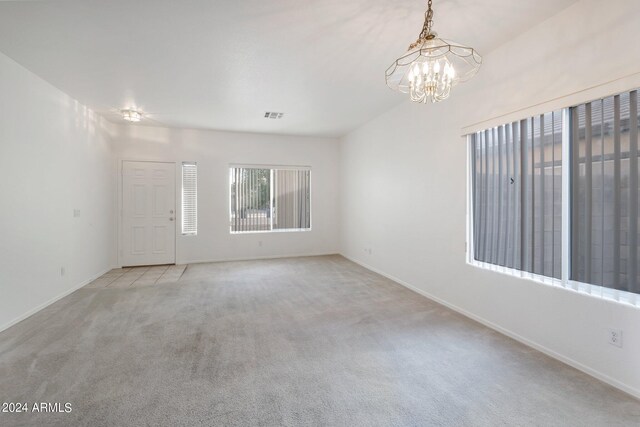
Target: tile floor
139	276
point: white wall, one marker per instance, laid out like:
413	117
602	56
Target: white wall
214	151
55	156
404	181
402	190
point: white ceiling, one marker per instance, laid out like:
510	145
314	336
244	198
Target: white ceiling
218	64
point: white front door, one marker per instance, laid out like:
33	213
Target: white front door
148	213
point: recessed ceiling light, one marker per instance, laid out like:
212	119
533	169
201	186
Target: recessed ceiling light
131	115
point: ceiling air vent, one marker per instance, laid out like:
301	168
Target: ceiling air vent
272	115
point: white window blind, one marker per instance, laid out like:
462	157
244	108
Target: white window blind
269	199
189	198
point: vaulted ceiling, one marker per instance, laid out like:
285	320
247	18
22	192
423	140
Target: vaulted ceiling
217	64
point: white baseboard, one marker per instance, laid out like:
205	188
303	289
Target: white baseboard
567	360
258	258
52	300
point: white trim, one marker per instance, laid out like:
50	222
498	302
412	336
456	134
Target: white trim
52	300
271	202
565	256
538	278
602	90
311	181
551	353
470	213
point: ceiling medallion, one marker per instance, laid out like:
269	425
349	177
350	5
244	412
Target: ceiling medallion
432	66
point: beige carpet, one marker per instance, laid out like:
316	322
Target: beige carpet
303	341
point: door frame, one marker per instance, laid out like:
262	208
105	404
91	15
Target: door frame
120	203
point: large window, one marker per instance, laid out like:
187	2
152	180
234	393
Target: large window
577	167
270	199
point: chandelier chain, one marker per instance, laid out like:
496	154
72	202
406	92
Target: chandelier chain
428	21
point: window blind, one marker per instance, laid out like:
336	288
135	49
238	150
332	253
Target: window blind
604	180
517	195
291	197
189	198
266	199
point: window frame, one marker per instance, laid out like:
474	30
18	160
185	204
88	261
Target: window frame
272	168
565	282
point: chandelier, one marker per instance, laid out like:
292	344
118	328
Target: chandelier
432	66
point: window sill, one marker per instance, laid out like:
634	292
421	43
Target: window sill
599	292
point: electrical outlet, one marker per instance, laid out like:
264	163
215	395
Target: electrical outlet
76	213
260	243
62	271
614	337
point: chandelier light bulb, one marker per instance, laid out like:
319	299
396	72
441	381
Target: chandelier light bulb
432	66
